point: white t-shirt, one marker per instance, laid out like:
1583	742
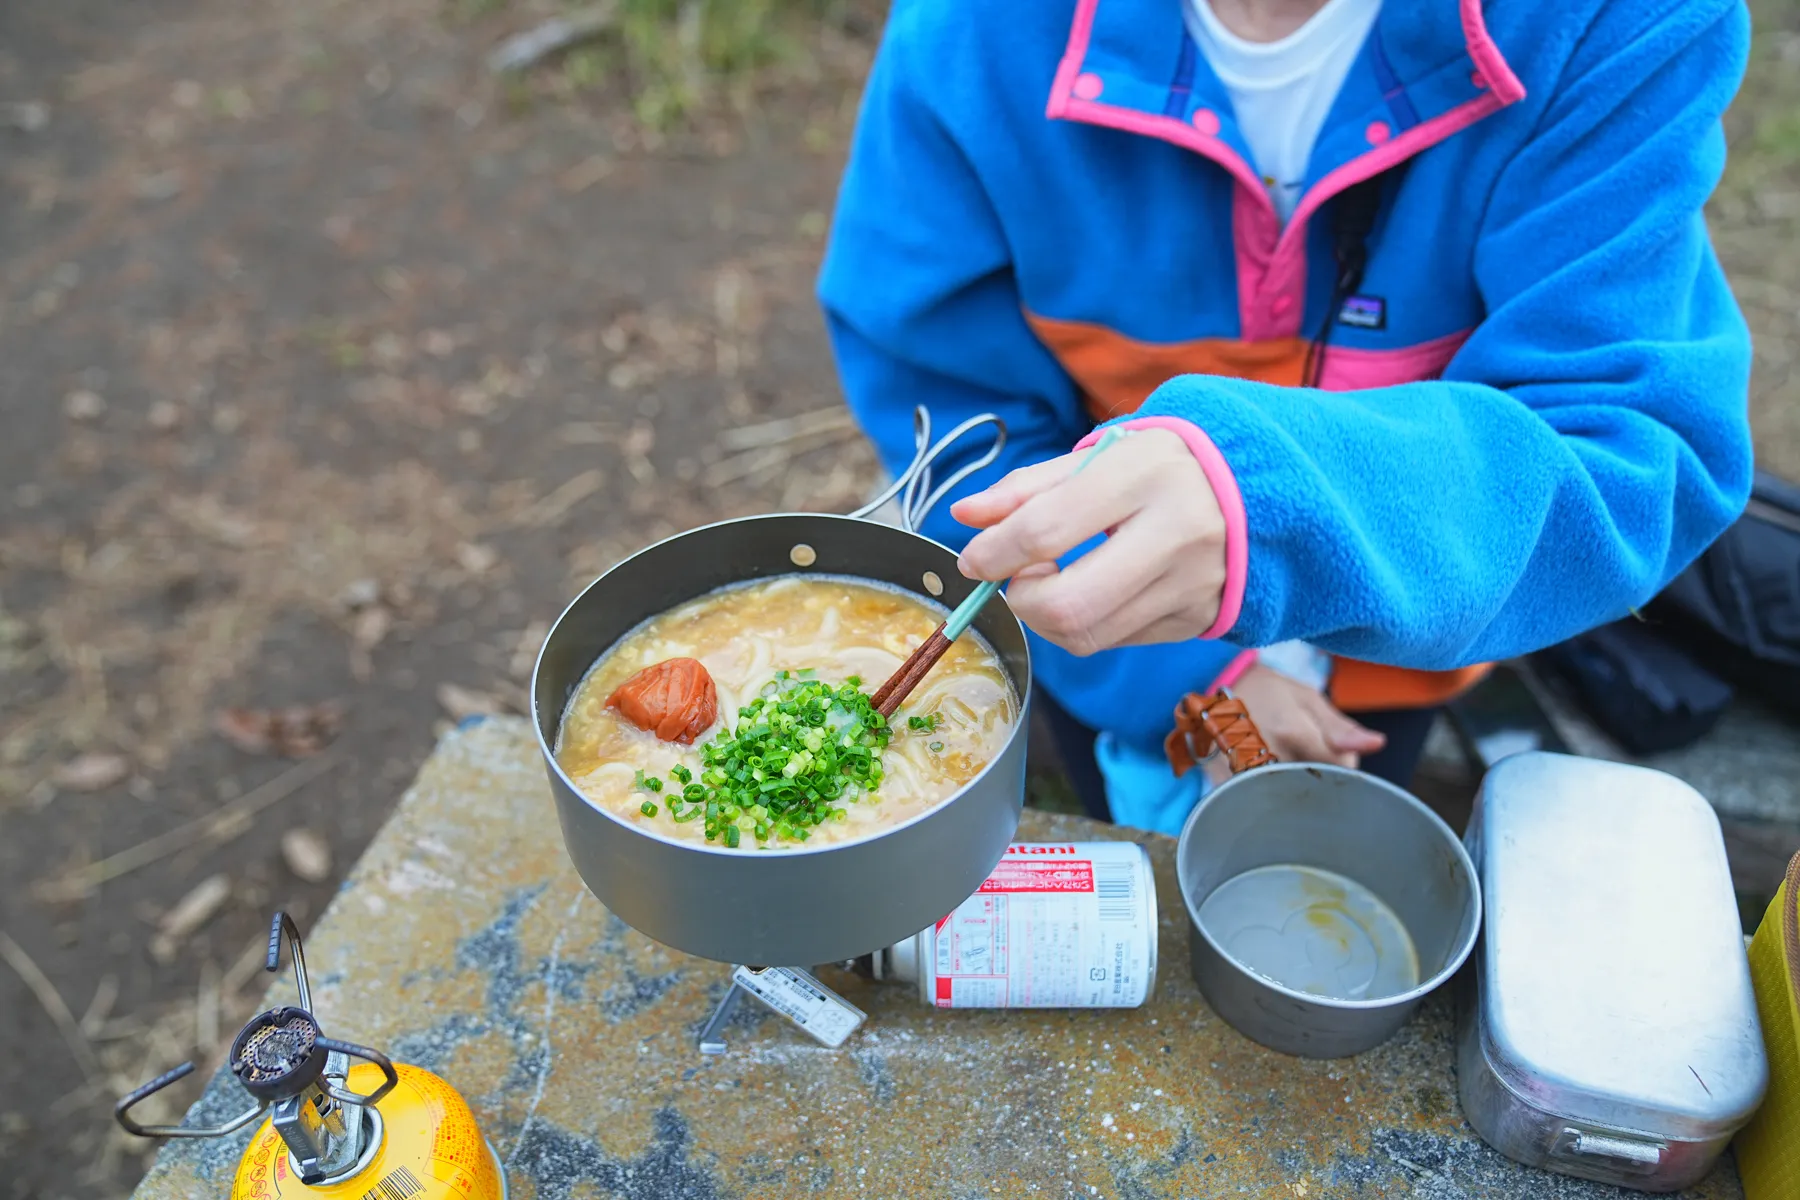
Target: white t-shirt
1281	91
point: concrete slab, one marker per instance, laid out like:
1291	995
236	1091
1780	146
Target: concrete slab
465	943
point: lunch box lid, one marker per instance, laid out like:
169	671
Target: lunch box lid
1614	985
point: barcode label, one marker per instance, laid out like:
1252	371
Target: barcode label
1115	884
796	995
1056	925
397	1184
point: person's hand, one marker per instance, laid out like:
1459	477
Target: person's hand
1158	578
1299	724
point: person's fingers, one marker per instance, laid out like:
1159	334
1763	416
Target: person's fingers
1317	747
1287	745
1297	738
1177	627
1359	740
1041	602
1345	735
1106	596
988	507
1056	520
1298	723
1027	578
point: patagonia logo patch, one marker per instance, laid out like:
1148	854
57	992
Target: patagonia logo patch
1364	312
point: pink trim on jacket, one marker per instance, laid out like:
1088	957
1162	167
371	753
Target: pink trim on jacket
1348	369
1234	670
1489	61
1231	506
1367	166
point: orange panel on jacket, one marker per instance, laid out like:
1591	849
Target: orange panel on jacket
1117	373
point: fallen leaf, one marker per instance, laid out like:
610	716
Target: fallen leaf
438	343
210	518
83	405
190	912
158	187
586	174
366	632
232	823
91	772
359	593
512	695
525	652
553	508
475	558
28	116
307	854
461	703
296	732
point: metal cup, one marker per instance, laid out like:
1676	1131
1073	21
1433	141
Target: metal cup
1341	821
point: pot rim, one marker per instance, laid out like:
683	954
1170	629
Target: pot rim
1419	991
1019	729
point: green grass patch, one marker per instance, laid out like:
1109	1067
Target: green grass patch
1778	134
673	57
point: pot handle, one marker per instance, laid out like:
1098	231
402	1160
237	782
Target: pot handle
1211	724
913	485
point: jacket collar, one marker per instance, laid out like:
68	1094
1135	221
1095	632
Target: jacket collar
1428	64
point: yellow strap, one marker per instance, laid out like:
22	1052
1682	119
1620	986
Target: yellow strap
1790	923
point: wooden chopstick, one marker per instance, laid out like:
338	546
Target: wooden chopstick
891	695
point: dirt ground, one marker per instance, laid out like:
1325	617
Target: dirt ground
329	370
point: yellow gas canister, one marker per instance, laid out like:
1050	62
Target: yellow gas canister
1768	1149
428	1149
375	1130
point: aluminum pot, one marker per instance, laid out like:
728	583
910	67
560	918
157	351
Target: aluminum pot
1407	866
813	904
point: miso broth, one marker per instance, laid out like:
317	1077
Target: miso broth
818	627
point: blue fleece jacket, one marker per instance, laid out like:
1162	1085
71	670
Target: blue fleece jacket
1531	415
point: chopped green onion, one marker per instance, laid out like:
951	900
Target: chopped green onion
648	808
927	723
797	752
936	747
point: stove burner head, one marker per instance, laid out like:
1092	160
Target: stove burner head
277	1054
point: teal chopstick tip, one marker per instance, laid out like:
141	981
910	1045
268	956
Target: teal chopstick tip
969	609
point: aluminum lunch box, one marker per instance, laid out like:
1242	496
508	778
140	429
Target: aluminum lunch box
1609	1030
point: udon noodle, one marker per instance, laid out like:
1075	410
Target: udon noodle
833	630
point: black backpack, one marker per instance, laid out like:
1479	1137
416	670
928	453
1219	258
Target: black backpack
1660	681
1738	607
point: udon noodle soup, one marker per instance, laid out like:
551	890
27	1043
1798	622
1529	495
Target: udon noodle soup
819	630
